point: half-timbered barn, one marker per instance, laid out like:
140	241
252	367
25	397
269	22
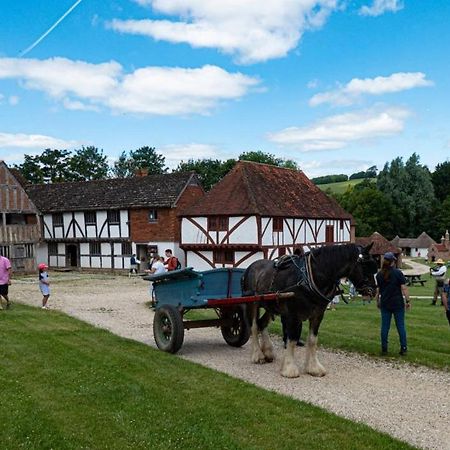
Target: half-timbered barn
260	211
19	228
100	224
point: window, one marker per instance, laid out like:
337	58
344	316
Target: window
223	256
52	248
114	217
329	234
152	215
95	248
277	224
4	251
126	248
58	220
341	224
90	218
217	223
281	251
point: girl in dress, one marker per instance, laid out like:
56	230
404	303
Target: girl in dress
44	284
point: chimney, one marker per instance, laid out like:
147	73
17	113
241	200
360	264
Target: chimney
142	172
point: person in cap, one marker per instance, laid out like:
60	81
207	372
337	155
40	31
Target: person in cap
5	279
392	299
438	273
44	284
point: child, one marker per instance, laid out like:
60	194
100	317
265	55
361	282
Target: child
44	284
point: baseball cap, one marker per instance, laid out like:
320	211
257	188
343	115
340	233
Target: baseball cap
390	256
42	266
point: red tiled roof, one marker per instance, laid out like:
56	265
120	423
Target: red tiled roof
261	189
380	244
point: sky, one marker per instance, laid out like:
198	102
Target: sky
335	85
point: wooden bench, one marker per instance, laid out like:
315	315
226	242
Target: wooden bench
411	280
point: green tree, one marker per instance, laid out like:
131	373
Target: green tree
411	191
142	158
441	180
54	164
31	169
268	158
209	171
88	163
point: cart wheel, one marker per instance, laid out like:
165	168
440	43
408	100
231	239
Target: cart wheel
238	333
168	329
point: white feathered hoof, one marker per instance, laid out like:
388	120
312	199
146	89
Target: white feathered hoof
316	370
258	357
290	370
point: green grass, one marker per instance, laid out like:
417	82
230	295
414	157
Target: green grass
341	186
68	385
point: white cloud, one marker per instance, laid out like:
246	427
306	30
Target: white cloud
357	87
149	90
338	131
21	140
175	153
252	31
379	7
13	100
317	168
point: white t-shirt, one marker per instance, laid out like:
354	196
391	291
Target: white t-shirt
159	268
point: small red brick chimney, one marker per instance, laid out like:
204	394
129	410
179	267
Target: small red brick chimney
143	172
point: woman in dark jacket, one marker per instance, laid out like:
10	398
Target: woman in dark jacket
392	300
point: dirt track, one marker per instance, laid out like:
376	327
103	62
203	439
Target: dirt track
410	403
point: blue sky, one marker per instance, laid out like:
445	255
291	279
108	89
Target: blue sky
336	85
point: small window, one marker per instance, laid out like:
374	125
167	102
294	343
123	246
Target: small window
19	251
277	224
52	248
4	251
90	218
218	223
114	217
126	248
95	248
152	215
329	234
224	256
341	224
58	220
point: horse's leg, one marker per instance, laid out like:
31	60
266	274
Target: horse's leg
312	364
266	343
289	368
257	354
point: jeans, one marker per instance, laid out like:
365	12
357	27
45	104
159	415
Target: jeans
399	317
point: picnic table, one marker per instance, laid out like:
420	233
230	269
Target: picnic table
413	279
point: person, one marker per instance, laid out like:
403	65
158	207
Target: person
171	261
5	280
157	268
446	299
44	284
392	299
133	265
438	273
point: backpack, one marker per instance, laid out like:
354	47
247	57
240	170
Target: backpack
178	265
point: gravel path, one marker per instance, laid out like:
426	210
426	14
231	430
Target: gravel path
410	403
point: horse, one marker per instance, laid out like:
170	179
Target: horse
312	280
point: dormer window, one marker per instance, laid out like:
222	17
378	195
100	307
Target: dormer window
153	215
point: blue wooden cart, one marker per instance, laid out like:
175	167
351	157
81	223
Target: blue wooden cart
180	291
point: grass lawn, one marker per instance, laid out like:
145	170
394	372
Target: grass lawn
341	186
68	385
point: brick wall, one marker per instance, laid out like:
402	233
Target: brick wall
167	227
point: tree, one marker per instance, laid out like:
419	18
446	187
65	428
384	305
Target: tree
411	191
31	169
441	180
326	179
209	171
88	163
54	164
142	158
268	158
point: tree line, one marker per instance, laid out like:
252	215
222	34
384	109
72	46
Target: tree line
371	172
406	198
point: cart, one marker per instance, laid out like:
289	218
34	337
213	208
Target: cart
180	291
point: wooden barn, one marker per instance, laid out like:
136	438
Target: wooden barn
260	211
19	228
100	224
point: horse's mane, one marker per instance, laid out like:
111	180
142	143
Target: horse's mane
335	254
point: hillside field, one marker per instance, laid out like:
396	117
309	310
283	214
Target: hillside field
342	186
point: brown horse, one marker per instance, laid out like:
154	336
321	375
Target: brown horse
313	280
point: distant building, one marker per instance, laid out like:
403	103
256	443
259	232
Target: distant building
100	224
441	250
260	211
416	248
380	246
19	227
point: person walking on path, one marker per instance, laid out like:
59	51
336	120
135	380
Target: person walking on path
5	280
392	299
438	273
133	265
44	284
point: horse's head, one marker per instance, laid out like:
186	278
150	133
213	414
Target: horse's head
363	272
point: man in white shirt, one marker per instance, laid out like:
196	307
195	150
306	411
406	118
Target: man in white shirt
158	266
438	273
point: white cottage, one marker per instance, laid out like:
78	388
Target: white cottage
260	211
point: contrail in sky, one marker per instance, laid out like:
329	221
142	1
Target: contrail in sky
36	42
